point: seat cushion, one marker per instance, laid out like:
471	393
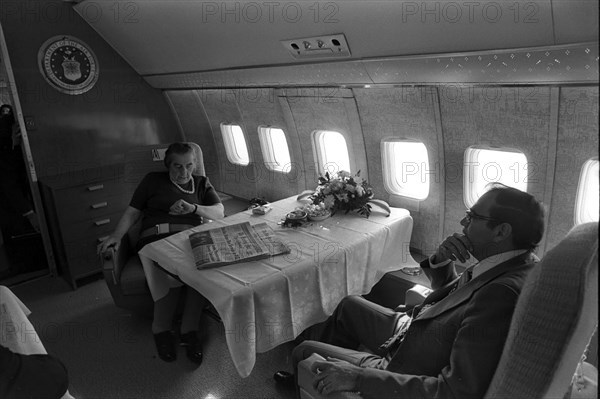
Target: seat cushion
133	279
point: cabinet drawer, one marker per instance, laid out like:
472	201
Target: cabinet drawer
89	192
92	228
109	186
82	256
92	208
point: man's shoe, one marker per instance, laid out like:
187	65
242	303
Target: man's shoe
193	346
165	346
284	378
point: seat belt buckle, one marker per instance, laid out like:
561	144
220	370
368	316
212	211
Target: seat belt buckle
162	228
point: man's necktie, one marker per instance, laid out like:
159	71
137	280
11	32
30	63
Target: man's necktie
465	277
401	327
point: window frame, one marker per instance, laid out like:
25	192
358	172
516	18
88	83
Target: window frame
468	195
268	150
230	144
319	149
388	164
582	189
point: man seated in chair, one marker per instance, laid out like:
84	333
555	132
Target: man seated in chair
448	346
169	202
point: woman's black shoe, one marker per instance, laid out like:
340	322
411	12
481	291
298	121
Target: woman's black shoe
284	378
193	346
165	346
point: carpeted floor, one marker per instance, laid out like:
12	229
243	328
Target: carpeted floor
110	353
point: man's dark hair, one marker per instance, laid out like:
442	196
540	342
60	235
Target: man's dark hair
522	211
177	148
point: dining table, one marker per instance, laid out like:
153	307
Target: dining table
264	303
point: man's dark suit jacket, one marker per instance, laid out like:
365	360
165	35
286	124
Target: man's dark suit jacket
452	348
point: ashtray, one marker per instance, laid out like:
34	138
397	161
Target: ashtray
296	216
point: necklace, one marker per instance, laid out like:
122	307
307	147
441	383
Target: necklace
183	190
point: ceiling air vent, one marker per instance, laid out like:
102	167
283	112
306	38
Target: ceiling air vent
331	46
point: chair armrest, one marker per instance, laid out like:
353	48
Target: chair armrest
113	261
414	296
305	378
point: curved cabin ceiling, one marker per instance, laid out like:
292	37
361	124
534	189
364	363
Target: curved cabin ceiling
176	44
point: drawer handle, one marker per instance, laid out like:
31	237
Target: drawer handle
101	222
97	187
102	239
99	205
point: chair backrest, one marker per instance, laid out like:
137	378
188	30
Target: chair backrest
555	317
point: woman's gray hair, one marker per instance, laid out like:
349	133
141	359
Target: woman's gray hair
177	148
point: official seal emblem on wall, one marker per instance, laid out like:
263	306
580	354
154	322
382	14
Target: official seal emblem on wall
68	65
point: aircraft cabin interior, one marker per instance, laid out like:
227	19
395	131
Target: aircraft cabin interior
414	108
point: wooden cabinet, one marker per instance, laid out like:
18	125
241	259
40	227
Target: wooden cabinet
82	208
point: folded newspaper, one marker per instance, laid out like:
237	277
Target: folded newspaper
236	243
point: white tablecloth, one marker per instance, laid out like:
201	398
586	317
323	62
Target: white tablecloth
267	302
16	331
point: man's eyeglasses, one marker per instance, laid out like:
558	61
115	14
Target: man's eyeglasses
472	215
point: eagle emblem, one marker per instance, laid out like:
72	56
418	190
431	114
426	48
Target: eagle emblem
68	65
71	69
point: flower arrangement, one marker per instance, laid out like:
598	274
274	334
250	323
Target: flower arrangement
343	191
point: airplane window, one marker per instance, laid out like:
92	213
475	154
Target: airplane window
274	148
485	166
235	144
406	168
332	151
587	202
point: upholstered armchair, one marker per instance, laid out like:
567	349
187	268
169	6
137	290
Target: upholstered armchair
554	321
122	269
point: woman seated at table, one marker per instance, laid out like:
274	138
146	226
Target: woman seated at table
169	202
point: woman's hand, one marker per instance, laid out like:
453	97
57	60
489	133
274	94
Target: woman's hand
181	207
109	242
129	218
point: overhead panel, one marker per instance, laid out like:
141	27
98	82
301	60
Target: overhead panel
324	74
194	43
181	36
547	65
575	21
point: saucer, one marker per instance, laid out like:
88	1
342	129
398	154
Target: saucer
318	218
